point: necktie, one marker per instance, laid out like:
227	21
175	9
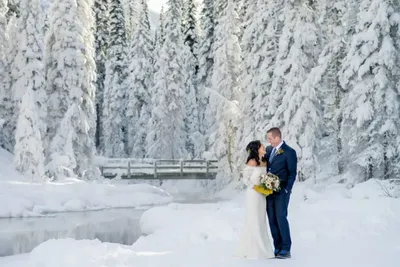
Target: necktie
272	154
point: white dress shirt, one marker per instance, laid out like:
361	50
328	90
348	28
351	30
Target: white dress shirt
278	146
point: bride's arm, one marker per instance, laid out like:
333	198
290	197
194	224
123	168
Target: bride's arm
247	174
255	177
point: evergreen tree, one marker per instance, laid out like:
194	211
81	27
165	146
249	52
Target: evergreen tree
101	43
267	58
370	76
159	40
194	139
206	67
5	92
114	124
70	87
254	52
166	136
225	86
297	107
324	79
139	84
8	108
28	151
160	31
132	15
189	27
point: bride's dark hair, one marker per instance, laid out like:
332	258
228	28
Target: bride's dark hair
252	151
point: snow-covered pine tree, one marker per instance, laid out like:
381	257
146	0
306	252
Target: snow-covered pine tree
114	123
131	15
324	79
141	71
267	53
253	47
29	54
260	46
194	139
225	89
166	137
160	31
8	78
5	92
371	77
206	64
70	86
101	43
159	39
283	63
28	150
3	36
189	28
55	44
296	111
18	63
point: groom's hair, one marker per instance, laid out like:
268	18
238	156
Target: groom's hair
275	132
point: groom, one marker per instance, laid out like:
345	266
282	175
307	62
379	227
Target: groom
282	161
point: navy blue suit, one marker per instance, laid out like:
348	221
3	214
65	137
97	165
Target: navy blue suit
283	165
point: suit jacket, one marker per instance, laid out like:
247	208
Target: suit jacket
284	165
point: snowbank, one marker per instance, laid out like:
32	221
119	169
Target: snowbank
28	199
330	230
21	198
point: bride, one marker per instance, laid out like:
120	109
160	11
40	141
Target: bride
254	241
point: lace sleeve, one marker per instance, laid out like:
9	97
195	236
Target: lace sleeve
256	175
247	174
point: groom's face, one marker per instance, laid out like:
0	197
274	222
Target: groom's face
273	140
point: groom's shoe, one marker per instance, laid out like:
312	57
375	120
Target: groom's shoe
283	254
276	252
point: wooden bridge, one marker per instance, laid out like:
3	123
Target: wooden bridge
160	169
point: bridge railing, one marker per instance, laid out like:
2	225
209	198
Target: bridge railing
158	168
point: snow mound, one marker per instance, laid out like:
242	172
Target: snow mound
27	199
374	188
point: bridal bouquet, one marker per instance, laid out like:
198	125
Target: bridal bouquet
268	184
270	181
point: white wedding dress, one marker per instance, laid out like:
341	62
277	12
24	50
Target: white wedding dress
254	242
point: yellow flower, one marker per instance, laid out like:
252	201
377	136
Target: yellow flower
280	151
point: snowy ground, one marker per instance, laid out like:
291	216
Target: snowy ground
29	200
331	227
26	199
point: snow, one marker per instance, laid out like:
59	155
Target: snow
27	199
331	227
